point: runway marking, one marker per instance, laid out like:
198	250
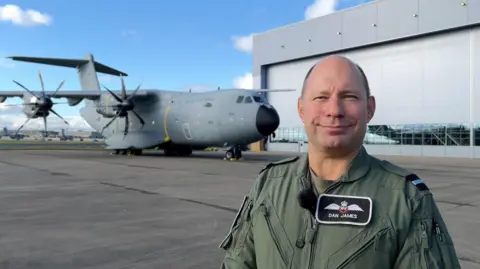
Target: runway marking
167	137
233	210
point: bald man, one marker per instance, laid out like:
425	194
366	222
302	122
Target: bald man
336	206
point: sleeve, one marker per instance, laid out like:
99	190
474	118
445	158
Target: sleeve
239	243
427	244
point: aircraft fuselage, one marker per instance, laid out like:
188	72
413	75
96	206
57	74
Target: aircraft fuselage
197	120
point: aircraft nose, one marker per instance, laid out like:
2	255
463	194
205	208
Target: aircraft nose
267	120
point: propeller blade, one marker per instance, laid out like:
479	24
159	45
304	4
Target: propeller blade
113	94
53	111
108	124
25	88
45	124
134	92
41	80
28	119
59	87
127	123
139	118
5	105
124	89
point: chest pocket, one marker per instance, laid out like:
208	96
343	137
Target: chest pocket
275	242
373	248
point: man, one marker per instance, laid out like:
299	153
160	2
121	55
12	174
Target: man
369	213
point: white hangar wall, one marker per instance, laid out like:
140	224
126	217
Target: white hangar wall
427	91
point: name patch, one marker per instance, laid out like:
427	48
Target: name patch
343	209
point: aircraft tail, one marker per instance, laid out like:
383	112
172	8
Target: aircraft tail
87	69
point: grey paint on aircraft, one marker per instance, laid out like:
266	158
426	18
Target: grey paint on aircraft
221	118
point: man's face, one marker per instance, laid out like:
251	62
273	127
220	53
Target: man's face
335	108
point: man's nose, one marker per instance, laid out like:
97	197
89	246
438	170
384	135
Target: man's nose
334	107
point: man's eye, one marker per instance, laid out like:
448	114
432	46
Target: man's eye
351	97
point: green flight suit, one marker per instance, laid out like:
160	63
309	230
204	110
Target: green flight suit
405	231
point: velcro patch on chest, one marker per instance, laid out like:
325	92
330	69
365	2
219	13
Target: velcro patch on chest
343	209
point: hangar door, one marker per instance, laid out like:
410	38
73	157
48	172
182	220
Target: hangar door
287	76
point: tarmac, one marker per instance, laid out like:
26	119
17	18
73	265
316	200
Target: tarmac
90	209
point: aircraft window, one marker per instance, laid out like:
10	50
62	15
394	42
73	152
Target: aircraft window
208	105
239	99
248	100
257	99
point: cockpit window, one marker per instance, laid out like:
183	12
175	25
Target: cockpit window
257	99
248	100
239	99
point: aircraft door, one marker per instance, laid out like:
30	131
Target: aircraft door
179	127
186	131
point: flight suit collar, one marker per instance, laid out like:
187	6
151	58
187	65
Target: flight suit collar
359	167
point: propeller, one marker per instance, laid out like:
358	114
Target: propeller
41	102
125	105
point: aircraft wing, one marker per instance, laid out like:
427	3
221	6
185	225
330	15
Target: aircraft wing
59	94
92	95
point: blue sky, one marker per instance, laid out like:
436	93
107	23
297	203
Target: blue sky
162	44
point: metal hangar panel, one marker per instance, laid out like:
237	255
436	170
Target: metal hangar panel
421	57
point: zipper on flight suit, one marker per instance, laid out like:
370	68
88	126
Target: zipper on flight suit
438	231
314	230
276	240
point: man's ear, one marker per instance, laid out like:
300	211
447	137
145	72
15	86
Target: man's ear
371	106
300	108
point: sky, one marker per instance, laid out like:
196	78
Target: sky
172	45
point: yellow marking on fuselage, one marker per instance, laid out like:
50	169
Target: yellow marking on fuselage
167	137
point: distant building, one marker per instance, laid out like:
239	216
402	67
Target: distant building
422	61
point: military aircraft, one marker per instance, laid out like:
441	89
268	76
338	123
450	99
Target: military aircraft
64	137
177	122
15	136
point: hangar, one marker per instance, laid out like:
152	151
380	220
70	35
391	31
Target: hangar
422	58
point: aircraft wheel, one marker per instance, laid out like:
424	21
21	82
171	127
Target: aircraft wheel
229	154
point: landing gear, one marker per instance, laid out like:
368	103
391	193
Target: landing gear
129	152
233	154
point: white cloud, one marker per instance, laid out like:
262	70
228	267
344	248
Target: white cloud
243	43
244	82
320	8
16	15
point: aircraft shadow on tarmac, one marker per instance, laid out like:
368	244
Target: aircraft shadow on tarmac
247	156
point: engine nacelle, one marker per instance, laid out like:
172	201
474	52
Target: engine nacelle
29	111
74	101
106	112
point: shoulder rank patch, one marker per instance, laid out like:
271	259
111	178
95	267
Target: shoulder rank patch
284	161
417	182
